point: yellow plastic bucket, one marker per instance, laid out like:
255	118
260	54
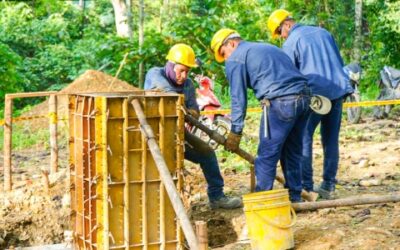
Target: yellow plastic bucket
269	219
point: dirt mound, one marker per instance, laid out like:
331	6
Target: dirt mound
30	216
96	81
91	81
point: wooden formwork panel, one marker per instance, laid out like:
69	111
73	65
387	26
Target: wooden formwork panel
118	199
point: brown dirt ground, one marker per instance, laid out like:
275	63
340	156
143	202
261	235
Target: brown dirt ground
356	227
369	151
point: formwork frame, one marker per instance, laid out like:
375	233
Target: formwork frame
121	198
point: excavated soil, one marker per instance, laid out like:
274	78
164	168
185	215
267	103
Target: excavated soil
92	81
369	164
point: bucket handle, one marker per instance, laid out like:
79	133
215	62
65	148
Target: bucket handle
272	223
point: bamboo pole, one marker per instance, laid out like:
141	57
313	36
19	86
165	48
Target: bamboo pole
7	143
350	201
166	177
53	133
201	231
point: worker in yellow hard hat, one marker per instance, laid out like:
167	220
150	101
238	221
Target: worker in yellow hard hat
284	96
173	77
277	23
314	52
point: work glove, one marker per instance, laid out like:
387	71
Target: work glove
232	142
194	113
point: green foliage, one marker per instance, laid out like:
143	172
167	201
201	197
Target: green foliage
9	75
383	47
23	138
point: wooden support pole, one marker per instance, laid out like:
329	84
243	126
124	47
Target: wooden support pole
201	232
165	176
350	201
45	181
53	133
31	94
7	143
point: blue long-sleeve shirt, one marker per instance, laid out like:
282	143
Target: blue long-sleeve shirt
264	68
314	52
157	79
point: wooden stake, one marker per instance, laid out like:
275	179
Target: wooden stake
201	232
7	143
31	94
350	201
45	180
53	133
166	177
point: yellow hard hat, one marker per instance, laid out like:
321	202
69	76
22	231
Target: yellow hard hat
275	20
182	54
217	41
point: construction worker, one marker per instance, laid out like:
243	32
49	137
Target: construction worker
314	52
173	77
284	96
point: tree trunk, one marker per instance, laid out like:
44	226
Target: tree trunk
358	31
326	7
164	11
122	17
82	4
141	41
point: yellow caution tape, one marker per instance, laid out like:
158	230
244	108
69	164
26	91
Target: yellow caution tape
53	117
370	103
345	105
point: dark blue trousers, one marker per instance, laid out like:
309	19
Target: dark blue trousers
330	127
199	152
286	125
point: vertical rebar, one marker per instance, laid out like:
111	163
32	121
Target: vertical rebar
162	194
125	166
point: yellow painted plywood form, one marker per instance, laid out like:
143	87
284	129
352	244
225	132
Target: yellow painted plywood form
128	207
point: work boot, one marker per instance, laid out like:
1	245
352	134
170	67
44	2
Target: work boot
325	193
226	203
310	195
